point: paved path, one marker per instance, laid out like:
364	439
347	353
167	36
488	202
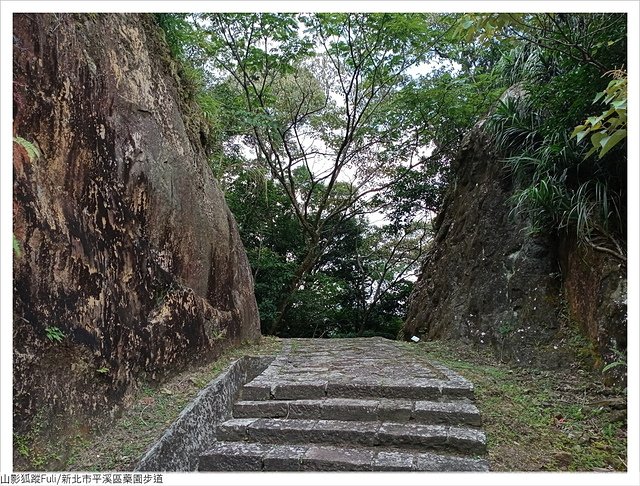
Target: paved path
351	404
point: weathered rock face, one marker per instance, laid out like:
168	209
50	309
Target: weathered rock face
595	286
128	247
484	280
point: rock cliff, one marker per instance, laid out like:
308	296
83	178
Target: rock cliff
486	281
131	265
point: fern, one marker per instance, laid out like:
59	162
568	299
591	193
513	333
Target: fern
16	247
620	360
32	151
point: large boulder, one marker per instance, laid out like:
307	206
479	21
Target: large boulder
131	266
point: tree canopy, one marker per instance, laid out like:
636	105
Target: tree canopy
333	133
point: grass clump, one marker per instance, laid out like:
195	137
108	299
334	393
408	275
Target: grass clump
152	409
538	420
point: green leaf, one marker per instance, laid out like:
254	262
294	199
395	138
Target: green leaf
619	105
615	122
54	333
467	24
16	247
611	141
593	120
577	130
32	151
615	364
595	139
583	134
612	85
603	141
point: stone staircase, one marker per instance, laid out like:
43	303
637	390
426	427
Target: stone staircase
351	405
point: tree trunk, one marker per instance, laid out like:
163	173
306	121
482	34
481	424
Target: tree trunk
364	319
362	326
303	269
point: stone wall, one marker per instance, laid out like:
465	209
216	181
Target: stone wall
194	431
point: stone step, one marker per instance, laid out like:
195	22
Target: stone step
247	456
434	390
353	433
426	412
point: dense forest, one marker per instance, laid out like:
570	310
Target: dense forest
333	135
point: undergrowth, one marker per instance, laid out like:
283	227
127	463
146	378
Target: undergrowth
538	420
119	445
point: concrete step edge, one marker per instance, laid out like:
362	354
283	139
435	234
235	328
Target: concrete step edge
243	456
261	389
354	433
422	411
